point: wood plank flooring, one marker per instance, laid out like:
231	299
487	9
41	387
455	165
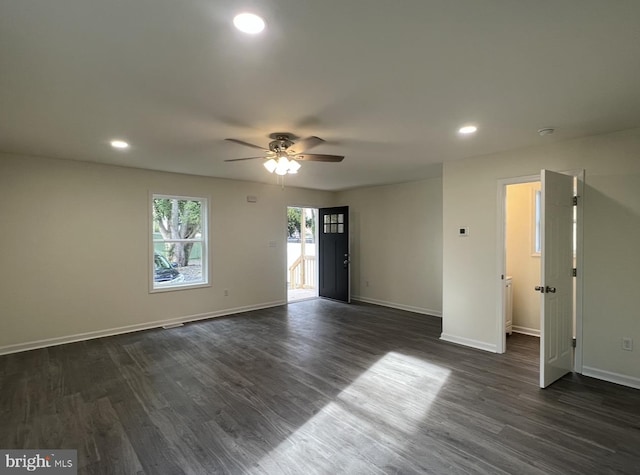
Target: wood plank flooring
315	387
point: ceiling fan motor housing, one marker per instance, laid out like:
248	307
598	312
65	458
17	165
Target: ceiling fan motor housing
280	144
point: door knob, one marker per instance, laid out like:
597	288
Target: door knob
539	289
550	290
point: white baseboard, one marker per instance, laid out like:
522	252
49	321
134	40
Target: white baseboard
32	345
399	306
612	377
525	330
481	345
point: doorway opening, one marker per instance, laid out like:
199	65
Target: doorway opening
522	267
522	259
302	263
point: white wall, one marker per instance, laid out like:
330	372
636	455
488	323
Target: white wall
611	256
75	248
396	235
521	264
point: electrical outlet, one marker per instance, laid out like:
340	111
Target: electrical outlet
226	292
627	343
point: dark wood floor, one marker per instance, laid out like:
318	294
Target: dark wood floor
315	387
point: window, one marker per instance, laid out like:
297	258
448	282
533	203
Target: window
334	223
537	229
179	238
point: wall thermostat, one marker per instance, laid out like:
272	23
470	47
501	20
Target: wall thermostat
463	231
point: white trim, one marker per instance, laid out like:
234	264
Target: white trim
32	345
459	340
580	174
399	306
525	331
623	379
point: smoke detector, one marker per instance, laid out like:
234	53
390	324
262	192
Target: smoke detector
546	131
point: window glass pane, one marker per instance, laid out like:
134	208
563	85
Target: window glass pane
165	270
334	218
537	236
179	242
334	228
341	228
327	218
341	218
575	229
192	270
327	228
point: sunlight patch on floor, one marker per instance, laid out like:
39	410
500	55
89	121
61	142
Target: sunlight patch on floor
367	422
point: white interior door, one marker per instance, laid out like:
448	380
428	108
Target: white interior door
556	352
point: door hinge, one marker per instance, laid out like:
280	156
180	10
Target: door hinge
573	342
575	201
574	272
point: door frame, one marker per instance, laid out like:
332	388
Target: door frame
501	258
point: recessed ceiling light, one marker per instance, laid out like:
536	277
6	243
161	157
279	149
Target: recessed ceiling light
468	129
248	23
120	144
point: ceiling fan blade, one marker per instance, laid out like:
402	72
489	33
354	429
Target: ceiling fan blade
316	157
306	144
247	144
240	159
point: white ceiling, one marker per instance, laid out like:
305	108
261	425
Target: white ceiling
385	83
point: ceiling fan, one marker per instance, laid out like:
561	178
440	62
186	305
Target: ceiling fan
283	154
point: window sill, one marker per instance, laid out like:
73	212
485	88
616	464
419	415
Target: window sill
199	285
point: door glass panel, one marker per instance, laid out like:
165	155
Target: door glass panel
340	228
334	228
341	218
327	228
326	218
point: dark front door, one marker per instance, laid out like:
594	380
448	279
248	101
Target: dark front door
334	253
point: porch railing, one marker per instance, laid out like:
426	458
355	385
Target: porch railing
302	272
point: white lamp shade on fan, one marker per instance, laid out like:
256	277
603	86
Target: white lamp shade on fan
271	165
294	166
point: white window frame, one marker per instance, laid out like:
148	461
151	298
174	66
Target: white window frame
203	241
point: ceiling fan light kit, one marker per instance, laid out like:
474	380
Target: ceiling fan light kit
282	166
283	155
